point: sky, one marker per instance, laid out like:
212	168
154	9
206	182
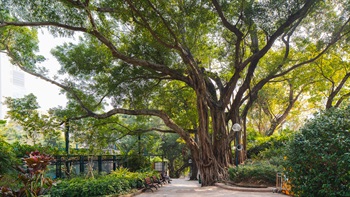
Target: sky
47	94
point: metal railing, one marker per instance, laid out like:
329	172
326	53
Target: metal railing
66	166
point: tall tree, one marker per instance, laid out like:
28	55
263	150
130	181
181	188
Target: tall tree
210	50
24	111
333	72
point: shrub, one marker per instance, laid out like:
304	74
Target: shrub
137	162
8	159
318	157
80	186
32	179
121	181
266	147
255	173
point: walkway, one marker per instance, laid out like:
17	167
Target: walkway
186	188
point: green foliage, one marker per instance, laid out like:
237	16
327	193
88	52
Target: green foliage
175	151
24	111
137	162
21	44
10	182
119	182
318	157
79	186
20	149
194	64
8	158
270	148
256	173
135	178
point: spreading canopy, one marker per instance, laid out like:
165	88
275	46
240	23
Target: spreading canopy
197	65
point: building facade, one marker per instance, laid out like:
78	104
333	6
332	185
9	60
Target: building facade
12	82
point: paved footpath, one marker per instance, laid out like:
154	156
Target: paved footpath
185	188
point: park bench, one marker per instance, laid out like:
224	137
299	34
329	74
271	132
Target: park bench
164	179
156	181
149	184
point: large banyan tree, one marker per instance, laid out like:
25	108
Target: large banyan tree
197	65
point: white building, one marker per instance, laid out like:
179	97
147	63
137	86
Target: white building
12	82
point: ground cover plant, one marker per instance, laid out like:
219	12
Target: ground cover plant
119	182
269	148
79	186
318	158
265	159
259	173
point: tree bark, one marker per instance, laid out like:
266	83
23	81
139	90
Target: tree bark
214	153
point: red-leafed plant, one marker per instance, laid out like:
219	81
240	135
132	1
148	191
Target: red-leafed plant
35	183
32	176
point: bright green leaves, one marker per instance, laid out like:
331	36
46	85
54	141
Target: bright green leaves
46	10
8	158
330	74
22	106
21	44
316	157
86	59
179	102
24	111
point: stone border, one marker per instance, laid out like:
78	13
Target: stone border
244	189
132	194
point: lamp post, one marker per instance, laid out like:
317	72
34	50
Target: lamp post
66	134
237	128
190	162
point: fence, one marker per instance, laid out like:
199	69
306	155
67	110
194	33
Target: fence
65	166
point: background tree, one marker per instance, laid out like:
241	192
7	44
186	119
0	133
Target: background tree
8	159
24	111
212	50
333	78
174	150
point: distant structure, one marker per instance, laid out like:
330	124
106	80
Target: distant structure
12	82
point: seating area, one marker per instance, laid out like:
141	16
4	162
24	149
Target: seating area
165	178
155	182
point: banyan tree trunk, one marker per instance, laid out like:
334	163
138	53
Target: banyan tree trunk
214	154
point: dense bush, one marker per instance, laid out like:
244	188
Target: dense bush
136	162
262	173
135	178
318	158
121	181
104	185
264	147
8	159
21	149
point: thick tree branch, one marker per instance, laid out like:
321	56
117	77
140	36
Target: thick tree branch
300	14
166	119
225	22
164	22
335	91
253	60
149	28
342	98
233	29
66	88
41	24
131	60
